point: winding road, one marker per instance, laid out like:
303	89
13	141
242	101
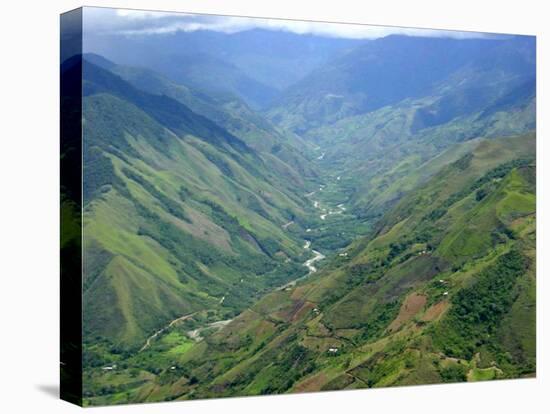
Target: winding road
160	331
195	334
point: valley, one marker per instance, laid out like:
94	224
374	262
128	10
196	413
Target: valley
365	220
328	227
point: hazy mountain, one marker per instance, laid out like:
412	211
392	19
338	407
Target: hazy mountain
227	111
463	74
254	64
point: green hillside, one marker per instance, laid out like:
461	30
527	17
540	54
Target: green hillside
391	156
429	297
395	311
227	111
179	215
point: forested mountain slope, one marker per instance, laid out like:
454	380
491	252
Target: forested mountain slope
179	214
390	154
226	110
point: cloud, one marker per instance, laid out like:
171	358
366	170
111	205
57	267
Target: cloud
140	22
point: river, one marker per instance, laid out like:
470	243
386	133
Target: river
195	334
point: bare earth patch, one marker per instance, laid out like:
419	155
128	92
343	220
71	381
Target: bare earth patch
202	228
435	311
310	384
303	311
296	311
410	307
300	292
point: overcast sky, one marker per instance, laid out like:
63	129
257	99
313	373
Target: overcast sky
136	22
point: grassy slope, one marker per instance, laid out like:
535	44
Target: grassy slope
158	242
231	113
391	157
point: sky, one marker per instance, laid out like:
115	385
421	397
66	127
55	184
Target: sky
140	23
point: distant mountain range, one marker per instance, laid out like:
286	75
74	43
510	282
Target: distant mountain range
254	64
463	75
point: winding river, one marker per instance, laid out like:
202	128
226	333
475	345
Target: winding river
195	334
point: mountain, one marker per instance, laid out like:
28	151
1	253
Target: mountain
226	110
213	75
203	71
179	215
383	154
462	74
441	291
253	64
282	58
